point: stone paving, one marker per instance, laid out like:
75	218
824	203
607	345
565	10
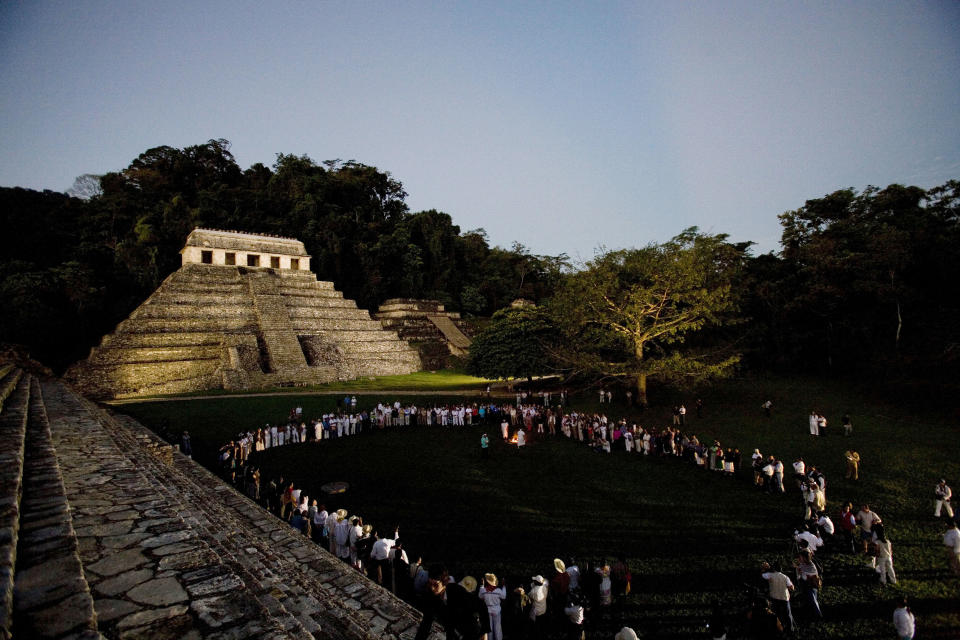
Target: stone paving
169	551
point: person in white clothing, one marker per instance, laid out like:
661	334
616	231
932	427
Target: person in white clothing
538	611
942	502
380	555
904	621
813	541
521	438
885	559
814	422
951	540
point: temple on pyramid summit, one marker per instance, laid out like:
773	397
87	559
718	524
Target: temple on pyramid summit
243	311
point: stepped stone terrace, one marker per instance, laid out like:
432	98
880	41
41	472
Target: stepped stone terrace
265	323
437	333
107	531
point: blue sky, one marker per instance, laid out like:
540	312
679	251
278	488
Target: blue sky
563	126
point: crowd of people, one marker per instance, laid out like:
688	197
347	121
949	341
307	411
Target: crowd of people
560	603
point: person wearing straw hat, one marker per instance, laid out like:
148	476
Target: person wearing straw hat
341	534
492	595
465	612
330	525
559	582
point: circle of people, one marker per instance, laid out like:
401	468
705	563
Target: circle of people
384	558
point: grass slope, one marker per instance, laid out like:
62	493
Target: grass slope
690	536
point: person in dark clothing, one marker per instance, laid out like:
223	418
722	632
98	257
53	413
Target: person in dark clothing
453	606
762	622
717	624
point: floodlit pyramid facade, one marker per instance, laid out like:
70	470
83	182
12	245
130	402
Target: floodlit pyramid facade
243	312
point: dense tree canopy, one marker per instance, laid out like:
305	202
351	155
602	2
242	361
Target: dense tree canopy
863	282
518	343
633	312
82	264
867	277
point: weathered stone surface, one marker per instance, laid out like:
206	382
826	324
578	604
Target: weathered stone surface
158	592
193	567
102	530
149	616
217	584
124	582
176	548
47	583
220	610
110	609
75	611
124	541
167	538
119	562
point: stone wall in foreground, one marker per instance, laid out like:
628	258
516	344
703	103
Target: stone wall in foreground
107	532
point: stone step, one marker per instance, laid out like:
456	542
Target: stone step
213	296
153	573
320	302
260	556
203	287
51	594
170	387
118	354
13	430
330	312
305	281
191	325
335	331
136	377
198	311
185	339
325	590
309	292
8	383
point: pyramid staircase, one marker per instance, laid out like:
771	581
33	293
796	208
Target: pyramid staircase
437	333
229	327
108	532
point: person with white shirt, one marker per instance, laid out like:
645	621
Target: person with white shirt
780	587
951	540
942	501
380	555
538	611
826	525
814	541
904	621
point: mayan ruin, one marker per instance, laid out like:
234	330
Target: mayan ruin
244	311
437	333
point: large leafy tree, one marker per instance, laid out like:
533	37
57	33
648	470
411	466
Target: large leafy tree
641	313
516	344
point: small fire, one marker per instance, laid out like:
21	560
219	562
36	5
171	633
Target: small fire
513	440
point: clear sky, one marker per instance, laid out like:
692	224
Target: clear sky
564	126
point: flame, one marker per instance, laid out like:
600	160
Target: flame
513	440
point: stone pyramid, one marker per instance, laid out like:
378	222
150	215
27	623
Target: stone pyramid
226	320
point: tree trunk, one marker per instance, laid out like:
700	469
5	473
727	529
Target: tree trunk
642	389
641	377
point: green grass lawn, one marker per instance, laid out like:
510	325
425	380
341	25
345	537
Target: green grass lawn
444	380
690	536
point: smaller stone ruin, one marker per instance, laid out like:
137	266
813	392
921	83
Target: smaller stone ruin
437	333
